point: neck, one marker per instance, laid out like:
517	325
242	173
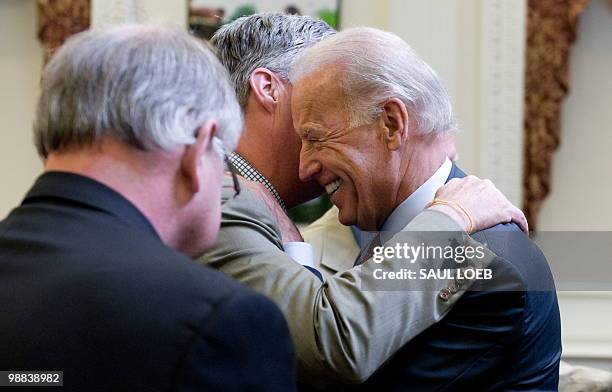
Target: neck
420	163
132	174
272	166
277	161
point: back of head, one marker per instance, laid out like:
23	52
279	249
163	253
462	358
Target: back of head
149	87
375	66
268	40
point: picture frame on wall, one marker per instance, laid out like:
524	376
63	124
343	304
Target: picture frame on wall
207	16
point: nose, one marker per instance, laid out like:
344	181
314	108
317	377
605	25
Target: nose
309	165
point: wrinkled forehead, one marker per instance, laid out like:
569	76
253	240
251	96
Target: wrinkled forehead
318	97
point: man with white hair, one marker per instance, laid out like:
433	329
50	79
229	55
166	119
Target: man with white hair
341	333
98	280
373	117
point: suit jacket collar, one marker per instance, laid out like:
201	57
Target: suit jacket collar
458	173
455	173
408	209
412	205
88	192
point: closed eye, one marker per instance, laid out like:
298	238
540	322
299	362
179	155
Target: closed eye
311	135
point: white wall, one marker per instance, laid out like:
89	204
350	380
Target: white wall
582	179
357	13
582	167
461	41
483	72
167	12
446	35
20	65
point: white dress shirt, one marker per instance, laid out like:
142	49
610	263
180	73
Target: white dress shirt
411	206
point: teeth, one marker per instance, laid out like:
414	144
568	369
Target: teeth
332	186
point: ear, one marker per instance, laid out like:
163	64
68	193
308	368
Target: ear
266	88
191	162
395	123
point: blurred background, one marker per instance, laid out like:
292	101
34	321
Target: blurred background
531	83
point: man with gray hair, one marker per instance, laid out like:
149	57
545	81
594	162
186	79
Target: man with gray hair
98	280
372	117
341	333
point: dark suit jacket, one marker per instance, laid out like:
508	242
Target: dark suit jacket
87	287
505	337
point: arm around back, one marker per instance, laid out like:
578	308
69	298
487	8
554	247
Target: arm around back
340	332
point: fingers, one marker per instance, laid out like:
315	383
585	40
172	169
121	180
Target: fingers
519	218
486	204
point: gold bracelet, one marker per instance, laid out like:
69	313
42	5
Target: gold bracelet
457	207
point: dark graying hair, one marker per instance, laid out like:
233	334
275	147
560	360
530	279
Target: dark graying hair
266	40
148	86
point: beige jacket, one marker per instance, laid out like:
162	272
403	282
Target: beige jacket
340	332
335	248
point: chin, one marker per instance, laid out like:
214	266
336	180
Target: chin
346	220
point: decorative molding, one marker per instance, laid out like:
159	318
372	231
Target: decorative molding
551	30
501	94
586	324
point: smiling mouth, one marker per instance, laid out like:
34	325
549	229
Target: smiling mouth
333	186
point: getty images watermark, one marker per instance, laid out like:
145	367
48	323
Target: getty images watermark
572	261
414	254
419	260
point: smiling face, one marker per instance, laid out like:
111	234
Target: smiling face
353	164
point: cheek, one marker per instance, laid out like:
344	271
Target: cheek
211	215
368	175
294	147
214	177
211	193
360	166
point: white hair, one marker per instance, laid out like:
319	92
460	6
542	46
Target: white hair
268	40
150	87
375	66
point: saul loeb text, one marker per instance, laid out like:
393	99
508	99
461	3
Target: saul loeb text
418	268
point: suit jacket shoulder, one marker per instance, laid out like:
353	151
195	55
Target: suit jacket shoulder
502	335
105	296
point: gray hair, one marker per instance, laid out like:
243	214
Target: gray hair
150	87
375	66
267	40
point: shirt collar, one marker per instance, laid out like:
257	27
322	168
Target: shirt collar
412	205
246	170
